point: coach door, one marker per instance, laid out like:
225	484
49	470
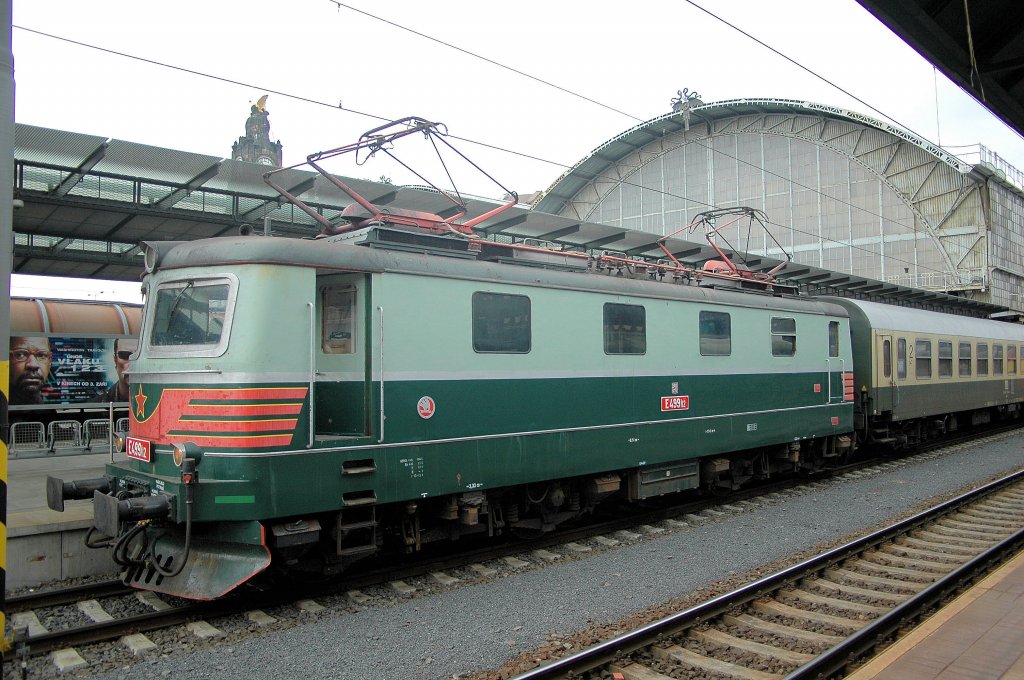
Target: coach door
339	363
885	375
835	367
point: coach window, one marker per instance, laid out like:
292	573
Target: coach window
901	359
783	336
997	359
965	360
1011	359
501	323
625	329
833	338
336	335
982	358
715	334
923	359
887	358
945	359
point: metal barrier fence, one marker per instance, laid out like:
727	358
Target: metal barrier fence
27	437
33	439
96	431
63	434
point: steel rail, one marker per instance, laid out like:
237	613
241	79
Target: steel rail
851	649
632	641
64	596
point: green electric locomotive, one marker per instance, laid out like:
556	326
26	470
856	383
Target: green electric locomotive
309	403
323	398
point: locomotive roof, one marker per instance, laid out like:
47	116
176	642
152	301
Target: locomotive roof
893	317
339	255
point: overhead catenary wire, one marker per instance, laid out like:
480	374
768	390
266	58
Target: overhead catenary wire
483	58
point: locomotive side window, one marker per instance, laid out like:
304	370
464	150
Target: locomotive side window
783	336
1011	359
887	358
965	359
833	339
945	358
923	361
715	334
501	323
901	359
982	358
625	329
997	359
337	335
191	317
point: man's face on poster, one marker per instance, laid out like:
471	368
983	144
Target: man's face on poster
30	367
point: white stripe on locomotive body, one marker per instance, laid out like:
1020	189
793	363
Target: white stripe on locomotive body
505	435
292	378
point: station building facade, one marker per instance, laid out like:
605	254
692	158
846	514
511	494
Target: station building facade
841	191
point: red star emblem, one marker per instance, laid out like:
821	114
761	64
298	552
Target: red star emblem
140	403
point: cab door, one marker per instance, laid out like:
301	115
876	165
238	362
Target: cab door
340	365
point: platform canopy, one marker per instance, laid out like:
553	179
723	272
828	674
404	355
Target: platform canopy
978	45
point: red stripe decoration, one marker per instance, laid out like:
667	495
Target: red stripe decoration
848	387
234	425
233	442
249	393
243	410
222	422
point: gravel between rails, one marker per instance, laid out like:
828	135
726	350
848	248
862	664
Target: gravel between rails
466	631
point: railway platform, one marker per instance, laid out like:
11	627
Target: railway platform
978	636
43	545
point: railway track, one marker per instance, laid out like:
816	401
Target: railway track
816	619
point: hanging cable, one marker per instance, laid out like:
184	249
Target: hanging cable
970	51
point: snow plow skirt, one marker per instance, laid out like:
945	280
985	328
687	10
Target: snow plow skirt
221	558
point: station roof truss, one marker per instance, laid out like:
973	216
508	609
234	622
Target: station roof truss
942	191
90	201
977	45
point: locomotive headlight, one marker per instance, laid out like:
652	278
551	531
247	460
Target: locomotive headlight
119	443
149	261
187	450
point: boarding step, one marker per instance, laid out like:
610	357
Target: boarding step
358	467
352	526
357	499
356	550
356	531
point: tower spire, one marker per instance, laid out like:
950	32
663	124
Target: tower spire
255	146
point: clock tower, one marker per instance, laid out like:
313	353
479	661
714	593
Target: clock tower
255	146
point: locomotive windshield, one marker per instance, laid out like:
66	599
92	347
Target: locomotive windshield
192	315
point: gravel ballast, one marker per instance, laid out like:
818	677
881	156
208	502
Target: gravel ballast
469	629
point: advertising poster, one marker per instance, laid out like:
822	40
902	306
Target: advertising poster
63	371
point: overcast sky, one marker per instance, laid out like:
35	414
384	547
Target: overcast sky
607	70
